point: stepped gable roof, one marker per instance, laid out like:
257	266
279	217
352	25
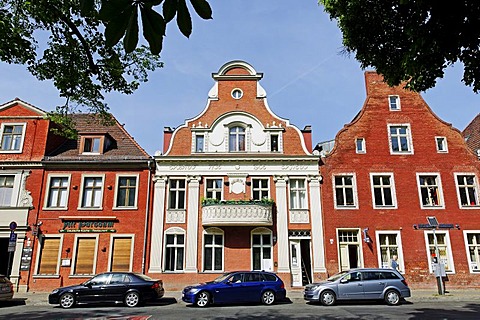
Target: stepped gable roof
121	145
472	134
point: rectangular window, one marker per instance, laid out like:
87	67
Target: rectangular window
262	252
174	250
213	252
92	145
260	189
126	192
430	190
274	142
394	103
6	190
85	256
467	190
92	192
121	254
441	143
473	250
383	191
12	137
298	194
199	143
360	145
49	255
389	250
400	139
57	192
444	250
177	194
214	188
345	193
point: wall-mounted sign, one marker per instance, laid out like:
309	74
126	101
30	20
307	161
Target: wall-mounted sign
86	226
26	259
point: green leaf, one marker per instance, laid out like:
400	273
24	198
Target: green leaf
169	9
131	37
86	7
112	8
184	21
202	8
117	26
153	29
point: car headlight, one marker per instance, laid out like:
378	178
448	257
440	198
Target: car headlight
313	287
55	291
193	290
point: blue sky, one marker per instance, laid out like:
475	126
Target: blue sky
293	43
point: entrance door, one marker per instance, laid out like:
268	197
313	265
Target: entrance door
349	248
295	263
4	256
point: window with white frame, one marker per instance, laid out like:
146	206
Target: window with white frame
383	190
85	256
472	240
49	255
345	191
389	246
174	251
262	250
274	142
236	140
400	139
57	192
441	143
214	188
430	190
394	103
92	192
127	191
360	145
444	249
177	194
298	194
6	190
213	250
12	137
260	189
467	189
199	143
121	254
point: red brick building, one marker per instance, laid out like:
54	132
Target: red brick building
472	135
214	186
393	166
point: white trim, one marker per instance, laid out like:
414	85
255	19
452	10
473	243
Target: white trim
117	186
22	140
408	136
394	193
174	231
221	186
354	190
467	251
213	231
455	176
305	188
74	254
40	249
184	193
445	144
237	90
401	259
363	145
260	189
440	190
397	102
358	243
261	231
82	191
132	248
451	264
47	194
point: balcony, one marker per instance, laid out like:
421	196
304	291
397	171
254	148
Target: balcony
237	213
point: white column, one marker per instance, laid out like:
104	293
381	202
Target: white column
192	224
318	246
156	244
282	224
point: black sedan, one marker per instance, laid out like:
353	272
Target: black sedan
127	287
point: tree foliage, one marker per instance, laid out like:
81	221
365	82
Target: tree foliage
77	44
411	40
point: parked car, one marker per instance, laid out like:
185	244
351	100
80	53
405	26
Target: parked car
6	288
127	287
235	287
360	284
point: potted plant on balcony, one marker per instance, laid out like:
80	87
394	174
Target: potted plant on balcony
212	201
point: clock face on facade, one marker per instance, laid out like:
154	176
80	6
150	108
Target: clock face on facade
237	93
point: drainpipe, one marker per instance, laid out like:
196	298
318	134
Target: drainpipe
147	214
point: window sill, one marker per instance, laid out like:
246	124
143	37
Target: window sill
90	209
125	208
46	276
76	276
55	208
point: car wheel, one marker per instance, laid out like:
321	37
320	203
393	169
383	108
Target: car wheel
67	300
132	299
268	297
327	298
203	299
392	297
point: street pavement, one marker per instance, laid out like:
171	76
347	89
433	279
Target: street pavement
418	295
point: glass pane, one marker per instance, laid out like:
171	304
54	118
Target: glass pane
179	265
208	239
256	239
266	239
180	239
208	259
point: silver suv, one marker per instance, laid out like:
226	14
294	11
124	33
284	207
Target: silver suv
360	284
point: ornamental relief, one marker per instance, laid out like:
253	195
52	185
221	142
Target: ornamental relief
299	216
175	216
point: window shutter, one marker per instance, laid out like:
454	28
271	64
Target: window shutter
85	256
121	254
49	256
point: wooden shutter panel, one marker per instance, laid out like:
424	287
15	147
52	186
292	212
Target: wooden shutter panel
121	254
49	256
85	255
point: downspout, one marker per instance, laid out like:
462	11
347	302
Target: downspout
147	211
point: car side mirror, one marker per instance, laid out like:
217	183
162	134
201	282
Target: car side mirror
88	285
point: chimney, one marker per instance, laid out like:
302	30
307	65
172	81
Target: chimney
307	136
167	136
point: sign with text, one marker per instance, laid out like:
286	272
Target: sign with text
86	226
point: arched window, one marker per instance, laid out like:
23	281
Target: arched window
236	141
174	249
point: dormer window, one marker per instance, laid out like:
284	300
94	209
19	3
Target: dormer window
12	137
199	143
92	145
394	102
236	141
274	142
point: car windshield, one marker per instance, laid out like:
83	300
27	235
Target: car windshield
222	277
337	276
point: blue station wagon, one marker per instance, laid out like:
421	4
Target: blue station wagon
235	287
360	284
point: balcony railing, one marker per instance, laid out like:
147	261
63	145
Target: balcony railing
239	213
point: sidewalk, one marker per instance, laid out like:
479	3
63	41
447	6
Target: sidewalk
418	295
